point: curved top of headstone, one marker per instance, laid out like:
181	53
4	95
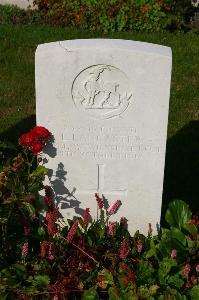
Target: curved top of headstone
70	45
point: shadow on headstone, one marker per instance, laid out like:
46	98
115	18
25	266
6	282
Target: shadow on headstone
181	179
50	150
63	197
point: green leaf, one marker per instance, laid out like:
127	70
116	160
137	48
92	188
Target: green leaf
40	171
165	267
192	245
29	290
178	235
20	270
91	294
172	239
41	231
145	272
178	214
152	251
4	296
146	292
176	281
194	293
41	280
191	228
90	242
108	276
30	208
101	234
178	296
113	294
33	188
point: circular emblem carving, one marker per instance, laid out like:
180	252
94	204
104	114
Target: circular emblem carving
101	91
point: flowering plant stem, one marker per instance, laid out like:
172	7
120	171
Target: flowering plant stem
85	253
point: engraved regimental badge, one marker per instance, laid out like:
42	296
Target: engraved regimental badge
101	91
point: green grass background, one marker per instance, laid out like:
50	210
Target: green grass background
17	96
17	86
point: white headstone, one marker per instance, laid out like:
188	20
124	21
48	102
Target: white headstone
106	103
24	4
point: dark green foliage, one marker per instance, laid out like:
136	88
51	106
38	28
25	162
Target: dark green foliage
118	15
107	16
11	14
41	260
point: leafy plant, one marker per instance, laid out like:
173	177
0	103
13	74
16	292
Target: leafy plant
107	16
86	258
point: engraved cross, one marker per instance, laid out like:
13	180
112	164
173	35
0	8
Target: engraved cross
100	185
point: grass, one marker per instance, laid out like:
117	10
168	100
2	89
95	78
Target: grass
17	94
17	87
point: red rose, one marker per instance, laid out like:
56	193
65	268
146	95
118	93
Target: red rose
36	147
26	139
40	133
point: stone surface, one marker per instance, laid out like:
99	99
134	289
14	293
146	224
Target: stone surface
106	103
21	3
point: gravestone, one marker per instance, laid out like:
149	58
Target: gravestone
106	103
24	4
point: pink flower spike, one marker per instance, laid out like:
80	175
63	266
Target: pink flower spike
72	231
174	253
48	197
51	218
197	268
112	228
139	246
51	251
44	247
186	270
124	249
86	216
100	201
24	251
150	230
113	209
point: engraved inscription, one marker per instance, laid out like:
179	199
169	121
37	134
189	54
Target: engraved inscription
101	91
105	143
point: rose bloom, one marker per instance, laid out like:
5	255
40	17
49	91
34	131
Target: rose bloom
26	139
36	147
40	132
